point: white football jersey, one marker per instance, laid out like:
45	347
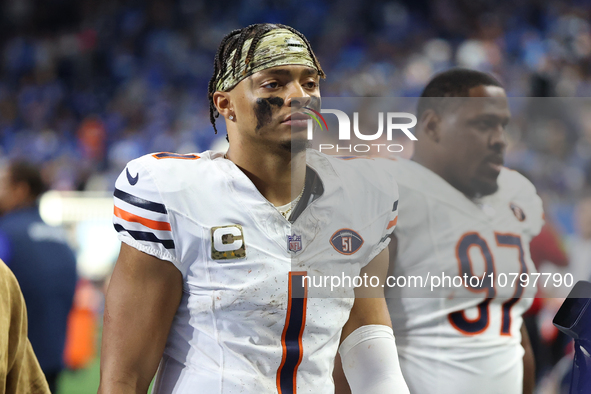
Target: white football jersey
462	337
244	324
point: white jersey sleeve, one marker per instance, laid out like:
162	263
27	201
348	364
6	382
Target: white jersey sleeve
140	214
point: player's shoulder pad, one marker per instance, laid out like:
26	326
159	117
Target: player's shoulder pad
513	184
521	196
406	172
166	161
155	174
364	173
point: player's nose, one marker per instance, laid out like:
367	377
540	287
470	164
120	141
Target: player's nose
498	139
297	96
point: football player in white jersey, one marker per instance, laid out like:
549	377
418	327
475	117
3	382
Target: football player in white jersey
209	288
464	215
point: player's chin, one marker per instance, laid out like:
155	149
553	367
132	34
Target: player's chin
485	186
295	145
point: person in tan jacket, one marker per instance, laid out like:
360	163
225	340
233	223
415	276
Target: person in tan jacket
20	372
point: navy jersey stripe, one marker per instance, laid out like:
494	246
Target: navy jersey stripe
145	236
140	202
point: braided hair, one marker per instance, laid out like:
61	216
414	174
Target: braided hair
235	41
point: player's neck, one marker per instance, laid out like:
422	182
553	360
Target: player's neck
271	172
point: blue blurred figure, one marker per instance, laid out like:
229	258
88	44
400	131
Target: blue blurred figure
42	262
574	319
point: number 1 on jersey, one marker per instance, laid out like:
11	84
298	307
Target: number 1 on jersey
291	339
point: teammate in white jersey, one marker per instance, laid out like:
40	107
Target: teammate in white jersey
209	286
464	215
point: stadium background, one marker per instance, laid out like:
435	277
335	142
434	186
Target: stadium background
87	85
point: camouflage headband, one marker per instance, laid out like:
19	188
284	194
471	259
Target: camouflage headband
276	48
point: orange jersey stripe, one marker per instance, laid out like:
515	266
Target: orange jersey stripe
392	223
153	224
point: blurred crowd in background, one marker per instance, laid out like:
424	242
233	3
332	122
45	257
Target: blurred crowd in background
87	85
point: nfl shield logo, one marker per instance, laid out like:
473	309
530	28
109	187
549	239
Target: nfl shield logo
294	243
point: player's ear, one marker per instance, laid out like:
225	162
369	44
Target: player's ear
429	125
222	102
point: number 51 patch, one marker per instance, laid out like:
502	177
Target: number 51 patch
346	241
